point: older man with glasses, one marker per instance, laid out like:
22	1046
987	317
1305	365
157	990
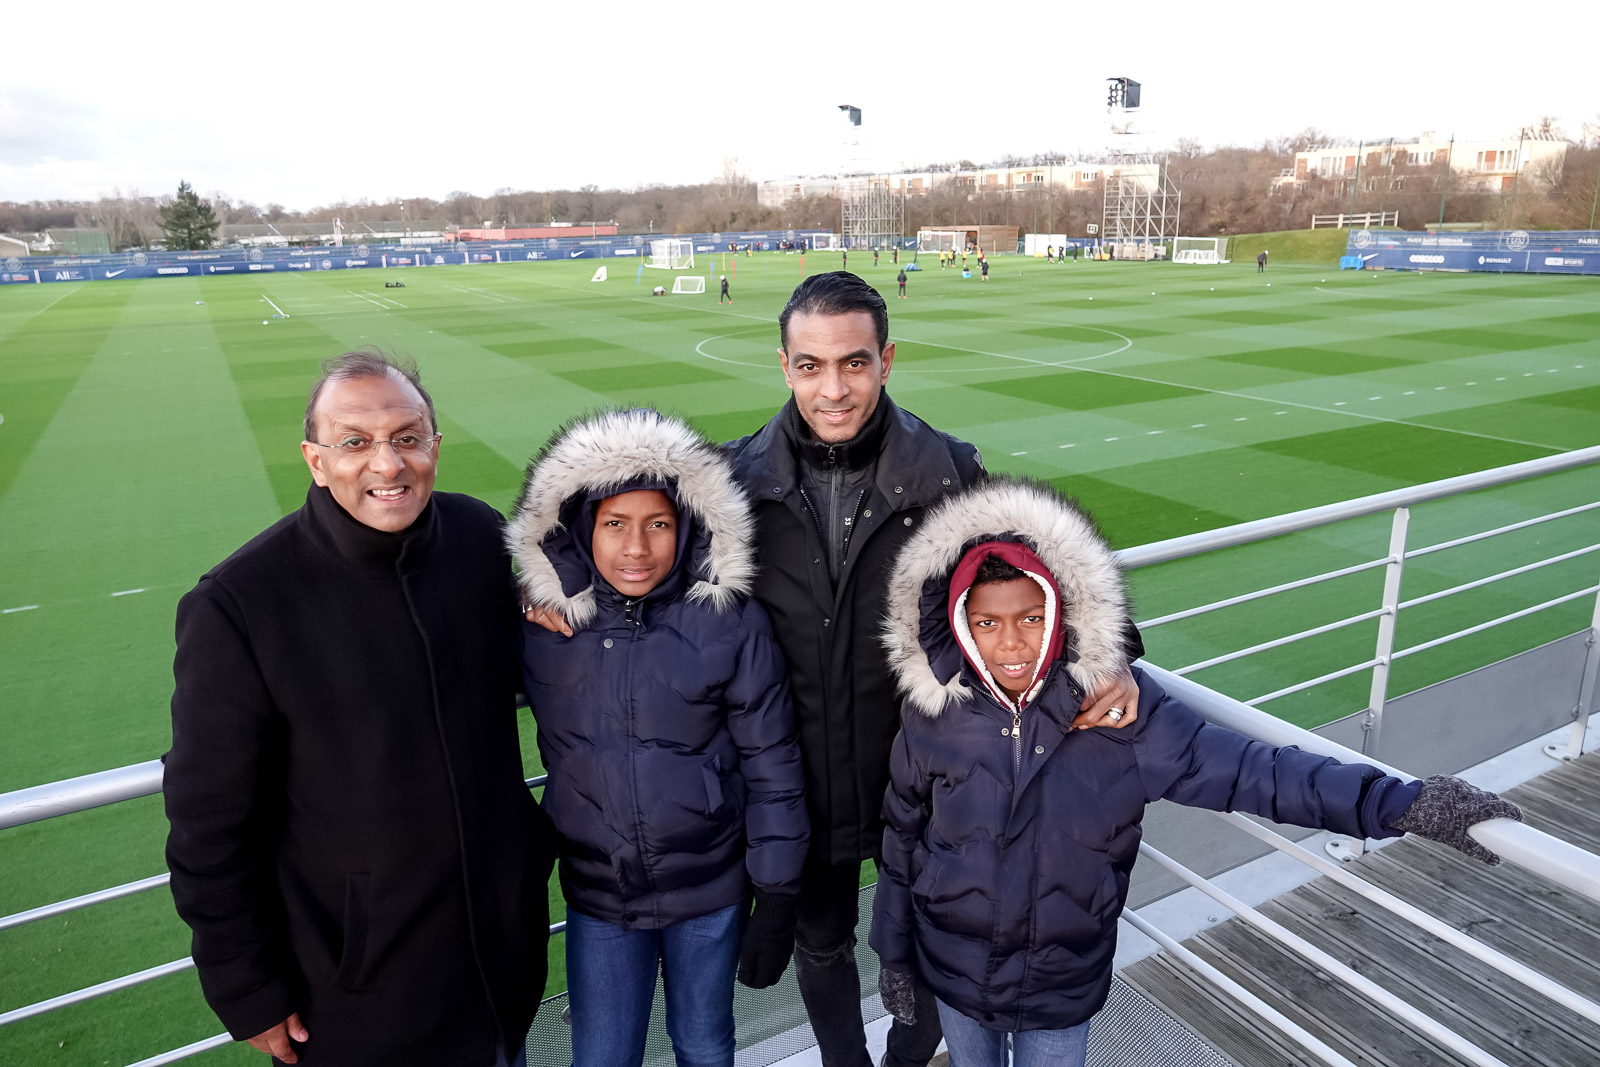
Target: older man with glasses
352	843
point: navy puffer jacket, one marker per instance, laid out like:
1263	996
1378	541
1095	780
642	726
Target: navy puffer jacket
664	721
1006	857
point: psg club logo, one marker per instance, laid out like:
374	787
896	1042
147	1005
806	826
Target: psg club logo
255	255
1518	240
13	263
363	251
140	259
1363	238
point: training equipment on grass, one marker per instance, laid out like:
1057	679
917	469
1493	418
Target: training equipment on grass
671	253
1199	250
688	285
599	275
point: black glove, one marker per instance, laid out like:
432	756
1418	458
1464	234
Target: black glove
768	939
1444	809
899	998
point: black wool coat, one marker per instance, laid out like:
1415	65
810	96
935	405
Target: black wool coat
351	838
844	694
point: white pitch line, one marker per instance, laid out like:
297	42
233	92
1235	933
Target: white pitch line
25	607
391	300
128	592
282	313
368	299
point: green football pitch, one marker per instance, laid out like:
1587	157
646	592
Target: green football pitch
151	427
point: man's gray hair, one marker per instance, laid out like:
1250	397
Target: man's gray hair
368	362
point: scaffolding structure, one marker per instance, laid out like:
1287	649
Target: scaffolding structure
1141	211
871	215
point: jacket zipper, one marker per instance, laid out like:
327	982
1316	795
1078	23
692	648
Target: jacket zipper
1016	741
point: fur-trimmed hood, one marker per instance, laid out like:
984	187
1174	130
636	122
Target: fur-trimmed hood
603	453
924	653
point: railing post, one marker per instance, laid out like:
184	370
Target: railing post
1372	726
1583	709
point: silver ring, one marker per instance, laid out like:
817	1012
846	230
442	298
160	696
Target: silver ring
1115	714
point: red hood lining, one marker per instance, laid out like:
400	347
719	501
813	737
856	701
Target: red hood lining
1026	560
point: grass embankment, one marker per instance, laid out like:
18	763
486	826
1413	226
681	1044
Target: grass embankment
1290	246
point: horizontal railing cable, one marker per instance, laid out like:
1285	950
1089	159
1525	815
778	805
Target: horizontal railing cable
1281	641
1279	1021
126	889
1513	969
78	996
1490	579
185	1052
1245	598
1425	550
1329	677
128	981
1380	996
1482	626
1310	518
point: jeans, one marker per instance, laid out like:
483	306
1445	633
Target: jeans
611	981
830	984
971	1045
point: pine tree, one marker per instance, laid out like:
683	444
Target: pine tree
189	221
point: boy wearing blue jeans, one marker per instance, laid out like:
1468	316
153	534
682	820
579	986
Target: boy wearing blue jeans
675	781
1010	834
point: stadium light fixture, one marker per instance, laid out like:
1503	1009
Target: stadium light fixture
852	113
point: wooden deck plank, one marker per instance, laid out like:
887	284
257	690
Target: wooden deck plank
1478	1003
1554	931
1218	1019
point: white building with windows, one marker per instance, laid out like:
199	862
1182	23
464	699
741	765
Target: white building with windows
1491	165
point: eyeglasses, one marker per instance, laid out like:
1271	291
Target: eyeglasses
407	444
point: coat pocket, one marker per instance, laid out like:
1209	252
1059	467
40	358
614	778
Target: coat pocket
711	772
357	921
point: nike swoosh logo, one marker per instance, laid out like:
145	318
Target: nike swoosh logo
575	255
114	273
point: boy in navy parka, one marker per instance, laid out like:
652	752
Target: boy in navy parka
1011	835
675	780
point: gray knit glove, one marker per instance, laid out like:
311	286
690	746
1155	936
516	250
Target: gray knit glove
1444	809
898	999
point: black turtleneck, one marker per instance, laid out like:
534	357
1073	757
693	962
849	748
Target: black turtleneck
835	478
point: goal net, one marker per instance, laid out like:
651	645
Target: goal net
1199	249
821	242
671	253
940	240
688	283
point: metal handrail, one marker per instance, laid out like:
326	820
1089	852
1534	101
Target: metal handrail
1310	518
1515	842
87	791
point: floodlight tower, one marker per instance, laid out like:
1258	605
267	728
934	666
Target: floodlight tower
870	216
1140	214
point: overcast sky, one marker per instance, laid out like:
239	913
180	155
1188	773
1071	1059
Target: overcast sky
306	104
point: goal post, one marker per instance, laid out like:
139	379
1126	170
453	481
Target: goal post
671	253
1199	250
688	284
823	242
940	240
